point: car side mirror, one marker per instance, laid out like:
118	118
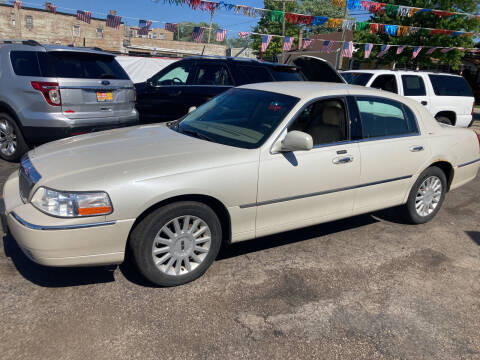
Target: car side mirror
192	108
294	141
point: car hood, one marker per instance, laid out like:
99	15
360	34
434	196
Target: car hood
133	153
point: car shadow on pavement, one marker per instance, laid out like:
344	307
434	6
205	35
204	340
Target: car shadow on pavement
475	236
51	276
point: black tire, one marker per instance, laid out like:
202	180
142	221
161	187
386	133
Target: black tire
21	146
444	120
143	236
409	208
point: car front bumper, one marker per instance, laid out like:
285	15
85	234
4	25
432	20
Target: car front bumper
63	242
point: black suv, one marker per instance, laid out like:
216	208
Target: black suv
192	81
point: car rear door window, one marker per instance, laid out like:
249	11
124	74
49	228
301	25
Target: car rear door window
324	120
25	63
413	85
385	82
213	74
384	118
253	74
446	85
77	65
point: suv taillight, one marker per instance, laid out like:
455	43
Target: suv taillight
50	91
473	108
478	138
134	95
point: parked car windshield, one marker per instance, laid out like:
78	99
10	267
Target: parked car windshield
357	78
71	64
239	117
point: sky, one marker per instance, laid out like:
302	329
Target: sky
150	10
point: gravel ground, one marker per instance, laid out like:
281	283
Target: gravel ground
368	287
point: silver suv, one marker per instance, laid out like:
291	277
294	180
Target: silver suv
48	92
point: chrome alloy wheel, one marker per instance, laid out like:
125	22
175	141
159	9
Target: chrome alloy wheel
428	196
181	245
8	138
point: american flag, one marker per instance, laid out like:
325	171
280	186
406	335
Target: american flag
446	50
383	51
327	46
416	51
265	42
144	27
368	50
221	34
197	34
51	8
17	4
400	49
347	49
85	16
113	21
170	27
431	50
306	43
243	34
287	43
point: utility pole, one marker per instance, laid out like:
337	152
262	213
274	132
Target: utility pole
210	26
283	23
339	58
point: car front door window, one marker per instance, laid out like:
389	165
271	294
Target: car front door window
178	75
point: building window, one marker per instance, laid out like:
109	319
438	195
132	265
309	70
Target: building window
76	30
150	36
99	33
12	17
160	36
28	22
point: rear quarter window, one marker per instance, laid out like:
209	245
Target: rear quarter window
286	74
445	85
25	63
81	66
252	74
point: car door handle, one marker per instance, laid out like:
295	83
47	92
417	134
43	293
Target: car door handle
424	102
177	93
342	160
416	148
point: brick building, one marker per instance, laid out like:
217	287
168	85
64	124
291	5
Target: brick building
64	28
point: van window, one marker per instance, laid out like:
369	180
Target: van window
80	66
446	85
357	78
253	74
413	85
382	117
385	82
25	63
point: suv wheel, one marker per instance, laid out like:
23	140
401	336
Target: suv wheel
12	144
426	196
176	243
444	120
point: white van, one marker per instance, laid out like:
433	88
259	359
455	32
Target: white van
447	96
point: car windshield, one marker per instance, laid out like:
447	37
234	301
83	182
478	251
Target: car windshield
239	117
357	78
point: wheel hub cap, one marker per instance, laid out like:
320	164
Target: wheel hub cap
181	245
428	196
8	138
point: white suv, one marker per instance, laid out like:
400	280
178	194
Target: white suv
448	97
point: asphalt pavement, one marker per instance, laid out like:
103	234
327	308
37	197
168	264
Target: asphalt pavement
369	287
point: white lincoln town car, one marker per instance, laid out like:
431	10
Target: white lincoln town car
254	161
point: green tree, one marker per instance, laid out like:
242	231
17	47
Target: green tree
422	37
307	7
238	42
186	29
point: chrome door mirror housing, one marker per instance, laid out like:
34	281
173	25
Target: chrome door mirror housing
294	141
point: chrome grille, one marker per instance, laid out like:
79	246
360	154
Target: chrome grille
28	177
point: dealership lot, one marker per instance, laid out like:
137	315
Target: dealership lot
362	288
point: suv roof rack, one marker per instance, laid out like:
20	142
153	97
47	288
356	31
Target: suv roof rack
86	47
20	41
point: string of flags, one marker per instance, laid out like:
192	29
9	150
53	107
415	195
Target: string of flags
398	10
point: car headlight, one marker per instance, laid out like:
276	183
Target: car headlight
72	204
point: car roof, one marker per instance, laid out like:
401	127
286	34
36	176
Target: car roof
235	59
409	72
31	45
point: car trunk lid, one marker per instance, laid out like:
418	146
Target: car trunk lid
317	69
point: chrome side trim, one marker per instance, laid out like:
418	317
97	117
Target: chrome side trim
468	163
269	202
98	87
60	227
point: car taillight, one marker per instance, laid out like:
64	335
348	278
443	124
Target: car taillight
473	108
134	95
478	138
50	91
